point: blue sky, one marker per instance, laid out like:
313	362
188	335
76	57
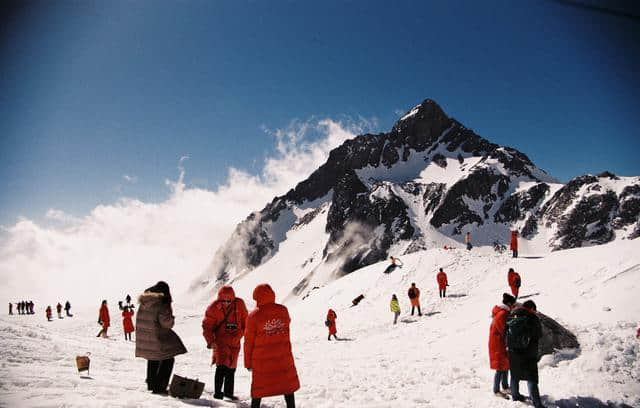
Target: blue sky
92	91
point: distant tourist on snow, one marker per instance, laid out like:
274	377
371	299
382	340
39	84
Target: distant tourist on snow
48	313
414	298
127	322
10	308
514	281
467	240
67	309
223	327
267	350
19	307
514	243
30	307
59	310
638	333
395	308
523	333
441	278
498	357
330	322
155	341
103	319
395	263
357	300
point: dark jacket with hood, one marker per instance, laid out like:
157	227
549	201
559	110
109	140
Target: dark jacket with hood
524	363
154	339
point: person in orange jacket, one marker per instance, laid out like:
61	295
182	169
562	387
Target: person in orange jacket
514	243
127	322
498	356
441	277
331	324
414	298
513	278
222	327
48	313
103	319
267	350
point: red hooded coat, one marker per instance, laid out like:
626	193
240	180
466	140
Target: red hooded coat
514	241
104	316
514	280
267	348
498	357
331	318
223	326
442	280
127	323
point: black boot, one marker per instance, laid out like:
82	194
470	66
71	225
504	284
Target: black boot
218	381
229	380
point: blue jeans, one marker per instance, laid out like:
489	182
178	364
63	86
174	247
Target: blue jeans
500	377
534	393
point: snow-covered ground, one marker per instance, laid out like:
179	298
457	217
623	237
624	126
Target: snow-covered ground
438	360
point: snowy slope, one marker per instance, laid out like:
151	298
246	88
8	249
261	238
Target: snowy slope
439	360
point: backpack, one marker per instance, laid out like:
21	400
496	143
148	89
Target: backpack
327	323
412	293
518	332
517	281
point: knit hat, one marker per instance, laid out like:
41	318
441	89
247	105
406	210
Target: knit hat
507	299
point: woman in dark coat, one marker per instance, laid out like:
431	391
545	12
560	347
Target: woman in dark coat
155	341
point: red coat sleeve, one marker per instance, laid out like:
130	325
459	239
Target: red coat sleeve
249	340
210	321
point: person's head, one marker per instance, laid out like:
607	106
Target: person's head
391	258
393	297
104	302
263	294
530	305
441	270
413	284
161	287
511	270
508	300
226	294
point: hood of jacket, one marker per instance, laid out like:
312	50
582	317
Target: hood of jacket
151	297
226	293
263	294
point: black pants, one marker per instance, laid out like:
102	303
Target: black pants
413	308
443	293
158	374
127	336
224	376
515	253
289	399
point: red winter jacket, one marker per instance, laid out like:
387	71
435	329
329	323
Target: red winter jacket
331	318
442	280
514	241
498	357
267	348
127	323
514	280
222	333
104	316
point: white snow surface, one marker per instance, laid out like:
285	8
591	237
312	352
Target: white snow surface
437	360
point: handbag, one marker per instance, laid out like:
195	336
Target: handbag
183	387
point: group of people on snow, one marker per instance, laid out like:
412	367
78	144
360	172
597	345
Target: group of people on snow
22	307
104	319
48	312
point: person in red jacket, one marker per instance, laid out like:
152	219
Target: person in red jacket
498	357
442	283
127	322
59	310
513	278
414	298
514	243
267	350
48	313
223	326
103	319
331	324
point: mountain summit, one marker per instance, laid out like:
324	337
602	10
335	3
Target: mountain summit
425	183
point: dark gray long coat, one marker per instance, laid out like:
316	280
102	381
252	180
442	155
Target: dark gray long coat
154	338
524	363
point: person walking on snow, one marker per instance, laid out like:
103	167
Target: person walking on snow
331	324
514	281
267	350
395	308
48	313
10	308
442	283
19	307
467	240
67	309
395	263
414	298
498	357
514	243
523	334
127	322
59	310
223	327
156	342
103	319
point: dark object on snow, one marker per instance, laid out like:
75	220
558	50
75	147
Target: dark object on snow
357	300
554	336
83	363
183	387
524	332
390	268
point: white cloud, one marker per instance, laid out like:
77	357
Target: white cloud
126	246
130	179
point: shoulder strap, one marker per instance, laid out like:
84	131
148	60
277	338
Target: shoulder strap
232	305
